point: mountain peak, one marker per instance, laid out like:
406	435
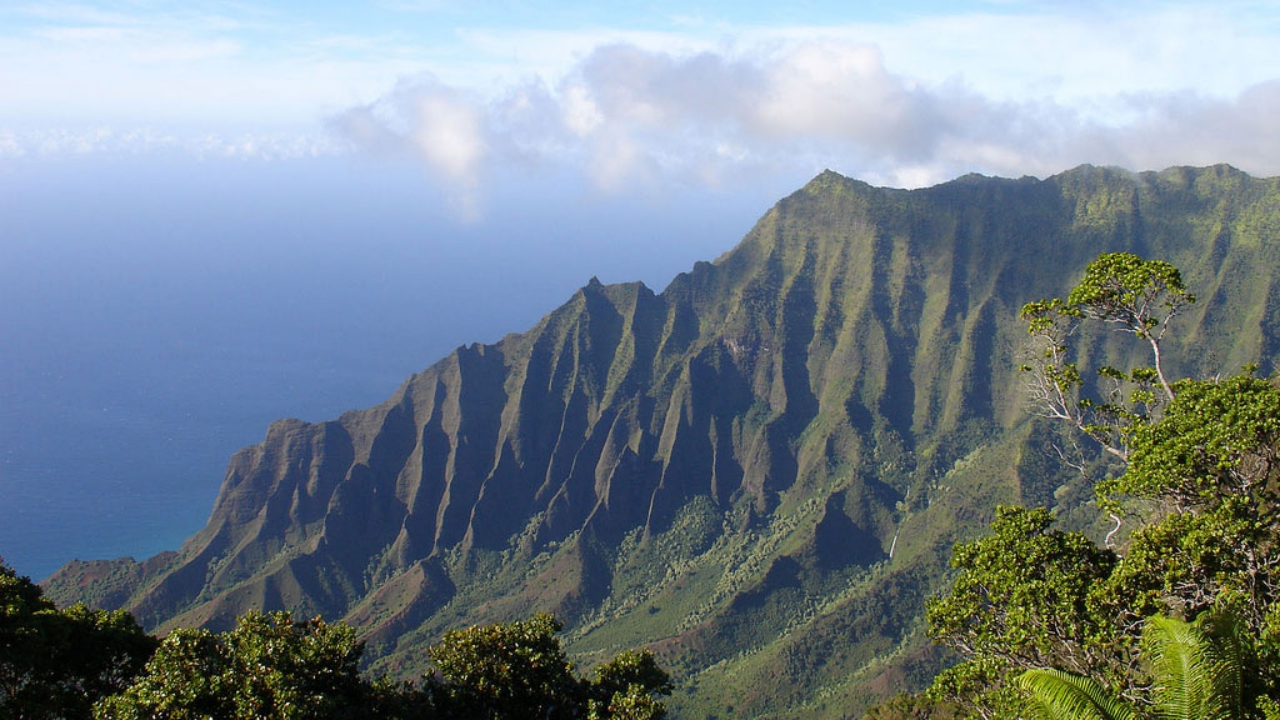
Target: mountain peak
829	180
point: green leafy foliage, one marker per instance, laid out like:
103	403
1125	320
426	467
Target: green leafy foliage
54	663
1021	600
1199	484
1197	673
1138	297
1058	695
627	688
1021	593
269	666
80	663
906	706
506	670
1219	438
519	671
1202	483
272	667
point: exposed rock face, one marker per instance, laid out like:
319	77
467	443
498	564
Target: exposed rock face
721	470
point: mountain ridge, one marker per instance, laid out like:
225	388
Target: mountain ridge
723	469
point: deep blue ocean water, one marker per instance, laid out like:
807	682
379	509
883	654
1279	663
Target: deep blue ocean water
156	316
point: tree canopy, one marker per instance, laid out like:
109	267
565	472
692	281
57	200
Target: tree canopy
1037	610
269	666
54	663
81	663
518	671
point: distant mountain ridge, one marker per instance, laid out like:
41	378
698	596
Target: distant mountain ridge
759	471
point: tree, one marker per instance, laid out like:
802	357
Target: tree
80	663
905	706
1021	600
506	670
518	670
1199	484
272	667
1030	597
1135	296
1201	456
269	666
627	687
20	676
57	663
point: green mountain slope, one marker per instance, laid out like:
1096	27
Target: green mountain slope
758	472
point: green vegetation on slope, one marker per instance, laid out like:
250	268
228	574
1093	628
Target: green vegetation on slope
758	473
1175	614
54	663
77	664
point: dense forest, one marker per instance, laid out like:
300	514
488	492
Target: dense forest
82	663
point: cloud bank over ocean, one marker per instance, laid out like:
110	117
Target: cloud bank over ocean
908	100
627	115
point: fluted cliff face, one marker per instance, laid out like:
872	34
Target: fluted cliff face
758	471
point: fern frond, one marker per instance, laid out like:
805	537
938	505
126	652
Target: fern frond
1058	695
1192	675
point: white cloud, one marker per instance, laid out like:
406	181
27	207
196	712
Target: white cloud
581	114
449	134
441	125
1191	129
1074	54
844	94
624	114
1005	90
617	160
107	141
9	145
